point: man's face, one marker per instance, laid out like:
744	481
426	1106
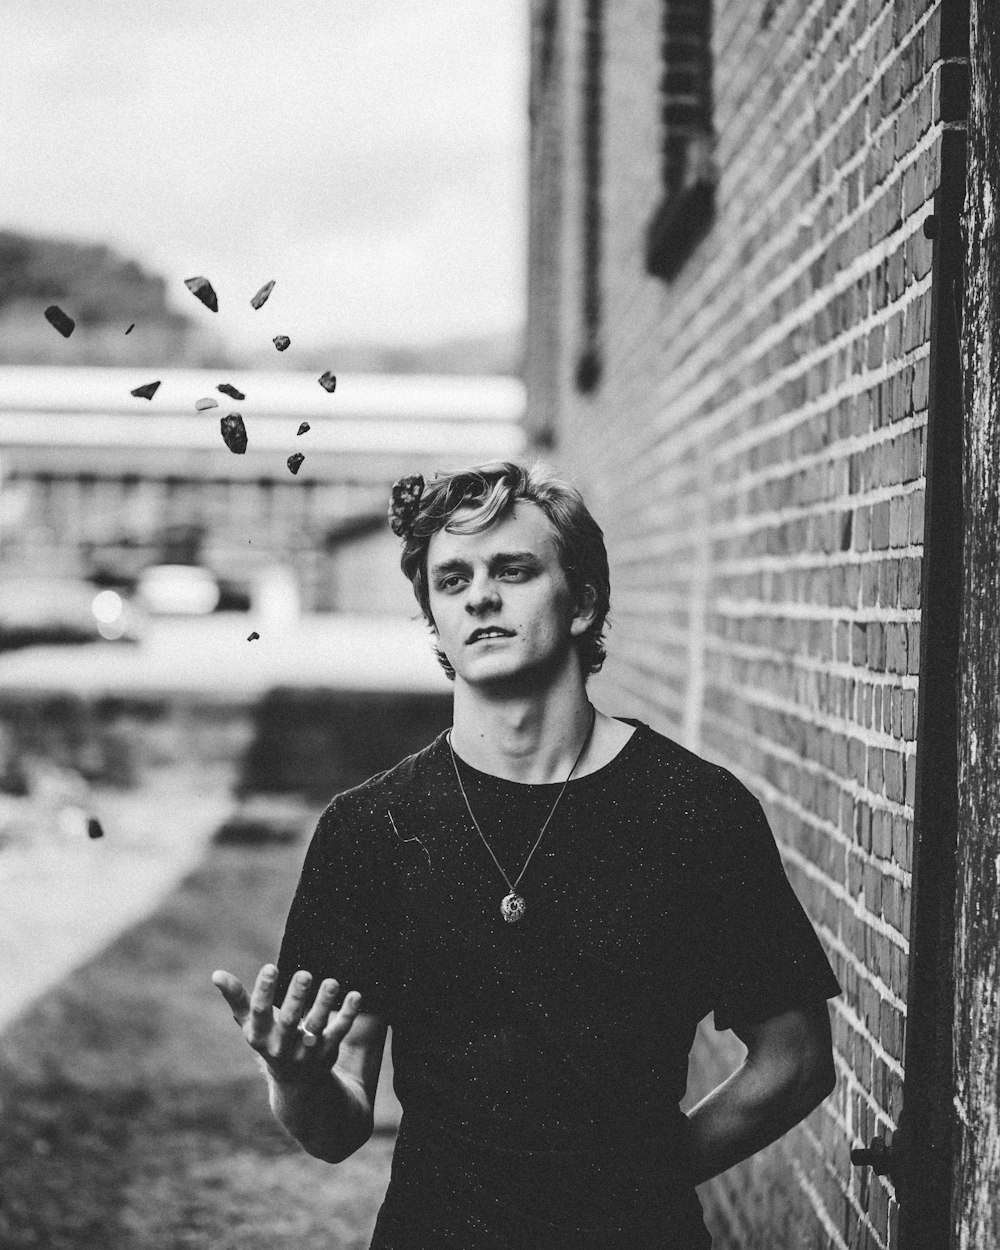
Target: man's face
501	605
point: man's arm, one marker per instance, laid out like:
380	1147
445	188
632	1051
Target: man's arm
322	1066
787	1072
331	1114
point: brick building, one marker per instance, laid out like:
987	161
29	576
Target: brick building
745	310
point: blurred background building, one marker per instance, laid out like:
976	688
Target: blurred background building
745	313
101	485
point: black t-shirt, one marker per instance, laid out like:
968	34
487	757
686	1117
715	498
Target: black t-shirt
540	1063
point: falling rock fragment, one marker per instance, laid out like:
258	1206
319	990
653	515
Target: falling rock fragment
147	391
231	391
94	829
234	433
131	328
294	462
202	289
328	382
303	428
252	637
261	297
63	322
281	342
207	402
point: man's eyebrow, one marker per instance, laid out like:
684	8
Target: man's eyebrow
514	557
457	565
449	566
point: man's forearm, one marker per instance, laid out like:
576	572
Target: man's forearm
330	1118
744	1114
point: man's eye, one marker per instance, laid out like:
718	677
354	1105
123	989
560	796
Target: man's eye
513	570
451	582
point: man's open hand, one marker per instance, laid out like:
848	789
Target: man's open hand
297	1046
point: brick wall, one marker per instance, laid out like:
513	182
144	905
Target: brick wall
755	452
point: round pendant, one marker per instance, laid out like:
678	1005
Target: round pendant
513	907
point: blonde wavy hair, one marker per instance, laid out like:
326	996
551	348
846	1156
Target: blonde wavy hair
490	491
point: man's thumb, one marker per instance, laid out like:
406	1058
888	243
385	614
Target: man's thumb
233	991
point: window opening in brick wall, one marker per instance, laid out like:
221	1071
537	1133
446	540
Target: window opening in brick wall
545	221
545	32
688	176
588	366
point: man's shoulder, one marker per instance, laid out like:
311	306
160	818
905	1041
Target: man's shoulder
681	771
400	783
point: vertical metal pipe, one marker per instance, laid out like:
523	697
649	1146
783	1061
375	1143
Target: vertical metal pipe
927	1123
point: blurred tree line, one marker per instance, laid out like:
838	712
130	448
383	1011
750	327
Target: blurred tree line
104	292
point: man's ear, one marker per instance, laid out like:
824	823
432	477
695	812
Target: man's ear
585	611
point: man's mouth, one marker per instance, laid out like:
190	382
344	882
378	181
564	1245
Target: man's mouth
492	631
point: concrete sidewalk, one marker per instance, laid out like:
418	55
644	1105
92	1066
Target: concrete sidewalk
65	896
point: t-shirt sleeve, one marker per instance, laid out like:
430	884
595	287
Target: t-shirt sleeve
340	923
766	956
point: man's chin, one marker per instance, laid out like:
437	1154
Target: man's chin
489	669
508	675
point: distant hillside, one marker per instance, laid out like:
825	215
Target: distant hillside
104	292
487	354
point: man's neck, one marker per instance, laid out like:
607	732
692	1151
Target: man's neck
532	738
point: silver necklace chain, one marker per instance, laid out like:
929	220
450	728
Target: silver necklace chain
513	906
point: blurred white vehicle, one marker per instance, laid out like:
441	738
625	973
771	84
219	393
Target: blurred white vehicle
178	589
38	610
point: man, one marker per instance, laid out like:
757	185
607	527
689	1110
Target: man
543	904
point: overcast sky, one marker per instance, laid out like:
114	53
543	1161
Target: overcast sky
370	155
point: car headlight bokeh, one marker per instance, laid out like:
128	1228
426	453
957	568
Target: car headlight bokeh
109	612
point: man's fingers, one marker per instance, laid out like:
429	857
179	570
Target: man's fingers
287	1019
316	1018
233	992
341	1021
261	1003
290	1034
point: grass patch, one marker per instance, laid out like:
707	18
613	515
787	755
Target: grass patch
132	1113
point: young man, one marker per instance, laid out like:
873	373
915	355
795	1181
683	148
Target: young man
543	903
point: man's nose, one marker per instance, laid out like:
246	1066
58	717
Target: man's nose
483	595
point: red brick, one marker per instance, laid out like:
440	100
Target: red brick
911	780
880	526
863	827
909	715
876	646
899	521
888	583
902	833
895	648
869	584
881	835
913	648
909	582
